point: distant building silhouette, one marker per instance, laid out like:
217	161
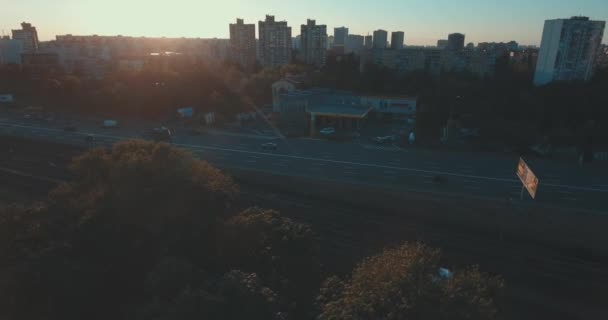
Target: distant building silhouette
369	43
455	42
380	39
340	36
242	44
442	44
397	39
274	42
314	43
28	35
354	43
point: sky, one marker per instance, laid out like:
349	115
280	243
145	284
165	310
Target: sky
423	21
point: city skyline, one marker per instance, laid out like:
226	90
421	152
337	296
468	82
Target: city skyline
423	22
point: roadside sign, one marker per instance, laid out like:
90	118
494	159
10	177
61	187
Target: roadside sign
527	177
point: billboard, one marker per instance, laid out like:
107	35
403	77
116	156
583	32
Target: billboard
527	177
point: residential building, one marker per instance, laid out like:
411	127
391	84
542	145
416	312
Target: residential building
330	42
242	44
28	35
442	44
10	51
602	60
274	42
314	43
380	39
397	39
340	36
568	50
368	42
455	42
355	43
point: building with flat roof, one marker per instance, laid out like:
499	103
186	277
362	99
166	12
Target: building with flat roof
314	43
242	44
397	39
380	39
369	42
455	42
340	36
569	49
274	42
10	51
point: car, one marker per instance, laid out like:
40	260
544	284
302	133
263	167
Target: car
327	131
89	138
161	134
69	128
269	146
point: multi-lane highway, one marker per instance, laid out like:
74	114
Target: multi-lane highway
472	175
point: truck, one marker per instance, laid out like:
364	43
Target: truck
110	124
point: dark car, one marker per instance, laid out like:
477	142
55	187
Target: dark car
161	134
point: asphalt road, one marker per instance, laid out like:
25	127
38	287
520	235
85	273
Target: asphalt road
469	175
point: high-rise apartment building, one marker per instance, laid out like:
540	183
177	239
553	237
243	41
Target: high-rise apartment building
369	43
242	43
314	43
455	42
568	50
28	36
340	36
397	39
380	39
10	51
274	42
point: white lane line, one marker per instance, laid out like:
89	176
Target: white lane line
342	162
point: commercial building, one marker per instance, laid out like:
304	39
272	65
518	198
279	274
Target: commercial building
369	43
242	44
10	51
28	35
314	43
568	50
455	42
274	42
397	39
380	39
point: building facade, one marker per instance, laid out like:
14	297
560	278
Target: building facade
10	51
314	43
380	39
369	42
274	42
340	36
242	44
355	43
455	42
569	49
442	43
397	39
28	35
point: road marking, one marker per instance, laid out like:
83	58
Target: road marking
342	162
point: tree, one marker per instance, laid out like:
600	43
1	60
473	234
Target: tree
404	283
279	250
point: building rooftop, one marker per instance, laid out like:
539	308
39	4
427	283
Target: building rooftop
339	110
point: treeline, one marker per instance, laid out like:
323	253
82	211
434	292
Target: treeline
152	93
147	231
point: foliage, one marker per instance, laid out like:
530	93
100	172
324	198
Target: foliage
138	234
403	283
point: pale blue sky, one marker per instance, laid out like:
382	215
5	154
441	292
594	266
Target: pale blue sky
423	21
